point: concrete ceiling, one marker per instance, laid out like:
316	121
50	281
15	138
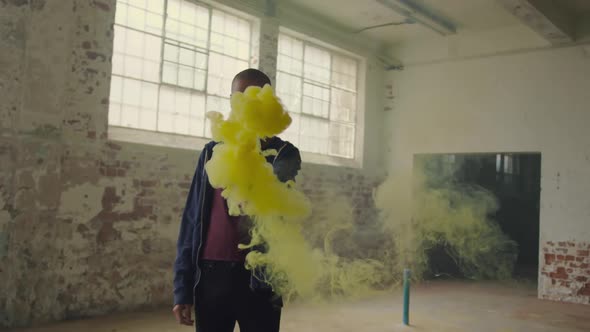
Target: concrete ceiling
465	15
359	14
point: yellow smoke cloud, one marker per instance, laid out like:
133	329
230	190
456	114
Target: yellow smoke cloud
423	208
251	188
318	255
293	266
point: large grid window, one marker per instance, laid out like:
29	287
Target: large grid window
319	89
172	62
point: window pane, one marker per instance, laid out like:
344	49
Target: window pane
156	6
344	72
170	73
314	135
185	66
222	70
153	23
343	105
230	35
173	9
116	86
118	61
181	111
115	100
291	134
187	22
216	104
136	54
289	91
326	99
289	65
316	100
171	52
290	58
185	76
139	104
196	116
121	13
199	80
119	39
291	46
131	92
186	57
341	139
136	18
317	64
114	114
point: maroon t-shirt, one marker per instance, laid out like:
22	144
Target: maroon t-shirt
224	234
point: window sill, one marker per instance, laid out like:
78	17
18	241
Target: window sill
139	136
320	159
178	141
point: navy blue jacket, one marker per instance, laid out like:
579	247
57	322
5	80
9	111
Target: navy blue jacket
195	219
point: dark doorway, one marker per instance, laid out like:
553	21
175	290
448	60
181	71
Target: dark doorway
515	180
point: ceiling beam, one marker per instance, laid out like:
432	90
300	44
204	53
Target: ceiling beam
545	17
415	12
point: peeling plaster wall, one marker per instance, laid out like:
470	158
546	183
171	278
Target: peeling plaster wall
88	225
529	102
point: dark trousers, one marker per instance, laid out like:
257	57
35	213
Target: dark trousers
223	297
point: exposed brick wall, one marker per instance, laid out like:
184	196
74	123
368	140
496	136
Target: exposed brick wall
565	271
88	225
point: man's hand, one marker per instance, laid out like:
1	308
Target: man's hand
183	313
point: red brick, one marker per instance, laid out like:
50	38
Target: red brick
148	183
560	273
579	259
91	134
584	253
549	259
585	290
184	185
111	171
570	258
569	270
550	243
584	266
561	244
581	278
113	146
102	5
571	244
560	257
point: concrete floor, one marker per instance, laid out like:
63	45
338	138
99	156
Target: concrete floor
435	306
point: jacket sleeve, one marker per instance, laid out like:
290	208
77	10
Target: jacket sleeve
288	163
184	274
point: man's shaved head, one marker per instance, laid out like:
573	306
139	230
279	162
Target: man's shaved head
249	77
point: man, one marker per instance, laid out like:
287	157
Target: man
209	270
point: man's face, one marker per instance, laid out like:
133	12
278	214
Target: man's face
241	85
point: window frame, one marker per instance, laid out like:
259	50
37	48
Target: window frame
176	139
359	120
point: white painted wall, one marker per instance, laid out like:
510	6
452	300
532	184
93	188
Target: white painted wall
530	102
